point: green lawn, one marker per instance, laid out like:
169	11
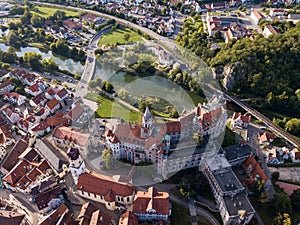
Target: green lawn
180	215
111	109
117	36
48	11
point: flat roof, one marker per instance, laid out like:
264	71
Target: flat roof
236	151
238	202
227	180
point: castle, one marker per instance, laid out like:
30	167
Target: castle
162	143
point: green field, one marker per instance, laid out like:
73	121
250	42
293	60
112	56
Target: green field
48	11
117	36
111	109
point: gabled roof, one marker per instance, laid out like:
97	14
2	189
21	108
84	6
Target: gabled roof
144	202
12	158
6	83
100	218
43	199
71	134
251	163
40	127
62	93
56	215
75	113
11	217
128	218
39	98
103	185
52	103
57	120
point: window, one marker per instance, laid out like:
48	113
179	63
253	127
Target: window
128	199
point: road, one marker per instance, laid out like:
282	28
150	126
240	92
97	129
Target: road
276	129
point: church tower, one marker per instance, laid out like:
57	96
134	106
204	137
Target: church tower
77	165
147	119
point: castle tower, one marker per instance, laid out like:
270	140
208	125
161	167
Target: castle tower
77	165
147	119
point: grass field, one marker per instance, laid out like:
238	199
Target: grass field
48	11
110	109
117	36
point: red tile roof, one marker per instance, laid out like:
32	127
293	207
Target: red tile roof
52	91
251	163
11	217
128	218
103	185
55	215
6	83
57	120
151	200
75	113
52	103
40	127
68	133
100	218
39	98
63	92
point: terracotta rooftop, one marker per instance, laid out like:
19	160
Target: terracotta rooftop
40	127
6	83
52	103
75	113
103	185
56	215
68	133
11	217
128	218
62	93
251	163
100	218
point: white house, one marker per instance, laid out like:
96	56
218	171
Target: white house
7	86
14	98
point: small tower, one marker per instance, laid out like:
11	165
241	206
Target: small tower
77	165
147	119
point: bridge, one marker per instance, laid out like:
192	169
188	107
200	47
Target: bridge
276	129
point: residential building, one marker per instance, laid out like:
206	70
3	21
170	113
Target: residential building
71	25
265	138
53	105
42	113
77	165
57	119
10	113
152	205
76	112
57	160
256	16
105	190
230	195
6	137
51	92
14	98
38	101
59	216
61	95
66	137
255	173
239	120
270	30
40	129
34	89
219	5
276	12
7	86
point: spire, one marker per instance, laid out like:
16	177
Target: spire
147	113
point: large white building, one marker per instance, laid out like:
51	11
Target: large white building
169	145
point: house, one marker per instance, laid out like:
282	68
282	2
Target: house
42	113
33	90
237	154
105	190
255	173
152	205
61	95
61	216
11	114
165	59
11	217
239	120
219	5
7	86
51	92
40	129
53	105
26	172
13	157
27	79
57	120
276	12
6	137
89	214
38	100
265	138
72	25
54	157
128	218
66	137
14	98
256	16
75	113
27	123
270	30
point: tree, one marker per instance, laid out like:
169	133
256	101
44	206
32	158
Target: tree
275	176
107	156
281	203
109	87
32	59
12	38
92	84
50	64
282	219
295	198
293	126
126	37
77	76
59	15
142	104
37	21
